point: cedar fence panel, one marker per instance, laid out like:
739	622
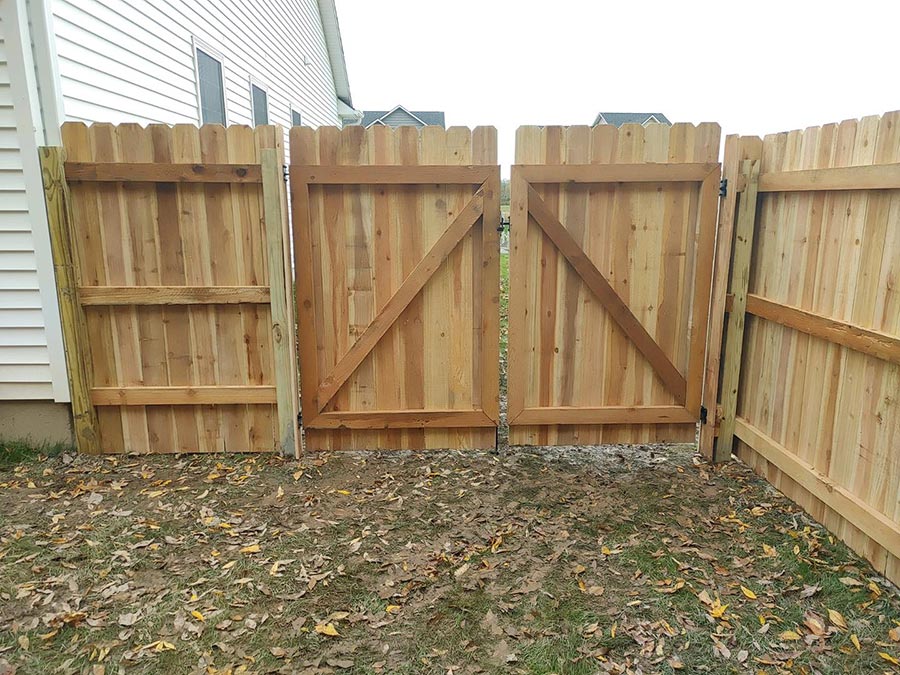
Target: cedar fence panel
396	250
178	311
613	232
811	364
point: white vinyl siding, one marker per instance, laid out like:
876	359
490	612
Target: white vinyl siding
133	61
29	320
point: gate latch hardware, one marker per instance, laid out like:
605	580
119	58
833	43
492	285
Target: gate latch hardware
285	172
703	414
723	187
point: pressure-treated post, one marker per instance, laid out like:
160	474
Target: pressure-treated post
74	327
282	325
740	281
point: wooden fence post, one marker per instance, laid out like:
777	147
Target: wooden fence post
74	327
282	327
740	280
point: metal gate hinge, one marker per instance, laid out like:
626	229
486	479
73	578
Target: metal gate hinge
703	414
723	187
285	172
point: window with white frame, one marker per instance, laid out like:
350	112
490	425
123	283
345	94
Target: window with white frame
296	117
210	86
259	100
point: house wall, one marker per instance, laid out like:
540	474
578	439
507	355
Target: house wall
32	361
123	61
133	60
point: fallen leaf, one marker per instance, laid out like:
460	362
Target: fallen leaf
129	619
748	593
197	615
789	635
888	657
392	609
850	581
894	634
814	623
855	641
253	548
327	629
837	618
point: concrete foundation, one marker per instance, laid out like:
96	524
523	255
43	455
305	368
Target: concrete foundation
36	421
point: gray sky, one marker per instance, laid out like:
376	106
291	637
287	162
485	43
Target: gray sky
753	67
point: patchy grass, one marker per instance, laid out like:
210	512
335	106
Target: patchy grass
13	452
525	561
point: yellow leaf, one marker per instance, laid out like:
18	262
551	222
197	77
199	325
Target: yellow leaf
837	618
253	548
273	570
392	609
298	474
796	549
888	657
894	634
790	635
769	551
606	550
717	610
197	615
327	629
612	631
344	492
748	593
495	545
855	641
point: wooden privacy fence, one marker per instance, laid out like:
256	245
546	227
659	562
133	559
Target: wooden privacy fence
397	261
810	372
170	250
613	234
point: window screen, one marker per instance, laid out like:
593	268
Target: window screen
260	105
212	90
295	118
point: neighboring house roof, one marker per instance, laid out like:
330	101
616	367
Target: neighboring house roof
335	47
617	119
400	116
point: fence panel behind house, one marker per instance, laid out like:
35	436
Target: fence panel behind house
397	263
613	232
811	378
172	233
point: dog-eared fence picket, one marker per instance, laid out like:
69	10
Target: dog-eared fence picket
634	311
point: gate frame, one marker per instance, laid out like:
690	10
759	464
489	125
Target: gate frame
484	206
527	202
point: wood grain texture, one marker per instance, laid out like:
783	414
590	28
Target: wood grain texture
639	204
741	258
878	177
737	149
161	172
833	254
76	341
396	293
440	174
173	295
175	280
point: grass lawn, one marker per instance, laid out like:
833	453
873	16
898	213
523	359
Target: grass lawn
522	561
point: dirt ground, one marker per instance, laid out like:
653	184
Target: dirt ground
573	560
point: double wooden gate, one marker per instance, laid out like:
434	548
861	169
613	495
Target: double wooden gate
175	286
396	251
